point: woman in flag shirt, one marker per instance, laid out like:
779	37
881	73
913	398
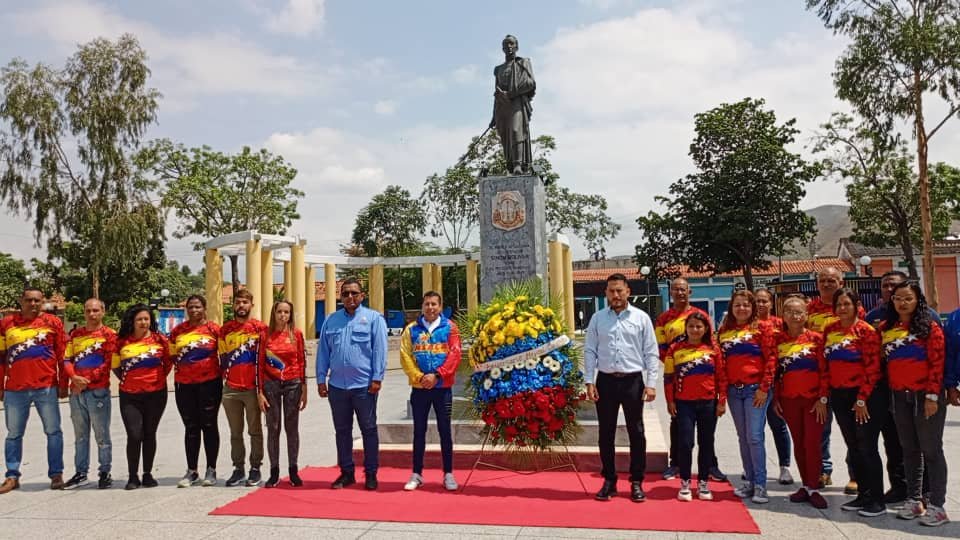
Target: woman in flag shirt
914	350
852	350
750	358
781	435
142	364
198	389
800	395
695	386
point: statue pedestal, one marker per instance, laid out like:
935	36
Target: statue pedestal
513	231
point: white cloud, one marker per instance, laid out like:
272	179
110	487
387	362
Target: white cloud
385	107
465	74
298	17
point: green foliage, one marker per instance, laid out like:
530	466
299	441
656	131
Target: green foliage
660	249
13	277
741	207
73	312
453	200
388	226
101	103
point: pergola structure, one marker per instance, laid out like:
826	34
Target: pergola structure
262	252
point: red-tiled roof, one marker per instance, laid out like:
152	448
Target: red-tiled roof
789	267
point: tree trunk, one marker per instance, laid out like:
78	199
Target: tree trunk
235	274
906	244
403	301
748	276
929	271
95	281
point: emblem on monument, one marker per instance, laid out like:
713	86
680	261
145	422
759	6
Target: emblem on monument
509	210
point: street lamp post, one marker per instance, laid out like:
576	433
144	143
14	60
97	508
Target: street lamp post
865	263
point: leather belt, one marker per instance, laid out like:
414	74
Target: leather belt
621	374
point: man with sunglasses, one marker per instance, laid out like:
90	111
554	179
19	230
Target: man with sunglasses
351	362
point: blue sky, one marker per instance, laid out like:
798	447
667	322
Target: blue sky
358	95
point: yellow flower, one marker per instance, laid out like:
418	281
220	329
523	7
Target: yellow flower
510	340
520	318
547	312
521	298
532	332
499	338
539	309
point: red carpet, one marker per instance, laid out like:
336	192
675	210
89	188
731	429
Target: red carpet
547	499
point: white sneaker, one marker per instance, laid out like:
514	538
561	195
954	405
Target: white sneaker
449	482
189	479
786	478
760	495
685	494
703	491
210	479
415	481
745	490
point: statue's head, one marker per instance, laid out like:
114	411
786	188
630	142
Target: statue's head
510	45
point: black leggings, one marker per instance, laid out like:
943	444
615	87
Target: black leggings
141	414
199	405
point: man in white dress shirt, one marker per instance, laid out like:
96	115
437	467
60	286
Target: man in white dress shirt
621	368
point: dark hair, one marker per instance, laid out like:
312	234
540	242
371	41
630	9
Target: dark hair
849	293
126	322
729	321
773	305
698	316
243	293
898	273
351	281
198	297
433	294
617	276
920	321
31	289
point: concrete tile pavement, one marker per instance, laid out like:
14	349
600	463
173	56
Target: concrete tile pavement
183	513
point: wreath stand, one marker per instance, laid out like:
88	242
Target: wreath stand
564	460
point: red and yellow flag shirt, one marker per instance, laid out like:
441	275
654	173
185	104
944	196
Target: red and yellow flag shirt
671	325
801	367
693	372
32	352
194	352
282	358
239	350
914	363
853	356
749	355
820	315
142	365
89	354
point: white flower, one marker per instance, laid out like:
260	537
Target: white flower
555	366
508	368
487	384
495	373
532	363
519	364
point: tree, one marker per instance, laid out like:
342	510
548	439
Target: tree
453	199
101	103
213	194
741	206
13	277
902	52
390	224
881	185
659	250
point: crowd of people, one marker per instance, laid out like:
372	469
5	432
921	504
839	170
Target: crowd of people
889	373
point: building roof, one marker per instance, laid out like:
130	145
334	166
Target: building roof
851	249
789	268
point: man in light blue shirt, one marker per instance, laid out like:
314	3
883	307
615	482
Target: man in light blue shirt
351	361
621	368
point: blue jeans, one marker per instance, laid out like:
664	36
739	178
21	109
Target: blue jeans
751	424
421	400
781	436
344	404
16	408
91	408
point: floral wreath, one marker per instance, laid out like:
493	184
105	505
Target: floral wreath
526	384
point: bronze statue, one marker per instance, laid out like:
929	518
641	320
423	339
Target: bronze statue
514	89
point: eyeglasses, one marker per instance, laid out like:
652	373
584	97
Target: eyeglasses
792	313
346	294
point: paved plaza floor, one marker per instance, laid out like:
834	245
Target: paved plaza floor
34	511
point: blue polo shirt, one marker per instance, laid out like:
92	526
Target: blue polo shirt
352	350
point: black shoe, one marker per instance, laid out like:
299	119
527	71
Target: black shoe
274	477
105	481
717	475
236	478
370	482
636	493
608	490
894	496
254	478
132	483
873	509
854	505
149	481
344	480
79	479
295	480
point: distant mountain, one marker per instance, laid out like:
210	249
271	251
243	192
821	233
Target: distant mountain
833	223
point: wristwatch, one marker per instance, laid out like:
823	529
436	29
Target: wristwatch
824	400
933	397
861	403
